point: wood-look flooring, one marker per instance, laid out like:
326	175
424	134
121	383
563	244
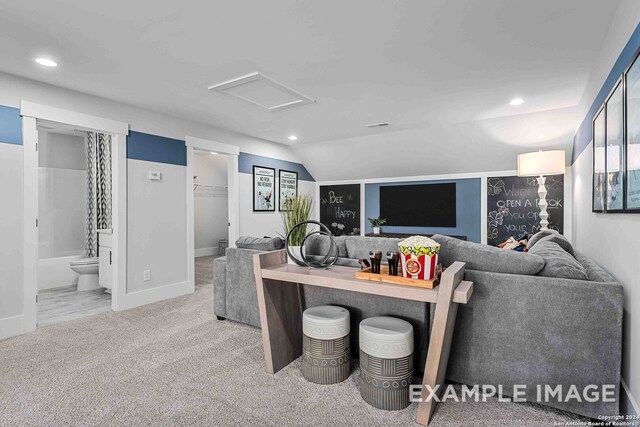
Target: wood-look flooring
66	303
62	304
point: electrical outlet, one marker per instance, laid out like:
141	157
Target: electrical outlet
146	275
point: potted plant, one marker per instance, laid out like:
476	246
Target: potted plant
376	223
297	210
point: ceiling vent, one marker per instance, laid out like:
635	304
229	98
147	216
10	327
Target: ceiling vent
378	125
262	91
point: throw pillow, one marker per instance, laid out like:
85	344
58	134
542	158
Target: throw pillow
487	258
319	245
559	263
358	247
260	243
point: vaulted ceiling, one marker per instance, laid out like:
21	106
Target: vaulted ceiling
441	72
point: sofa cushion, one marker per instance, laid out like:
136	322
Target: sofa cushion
358	247
260	243
553	236
594	271
487	258
558	262
319	245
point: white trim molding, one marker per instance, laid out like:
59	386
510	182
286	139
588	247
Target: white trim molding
15	325
45	112
160	293
215	146
632	400
207	252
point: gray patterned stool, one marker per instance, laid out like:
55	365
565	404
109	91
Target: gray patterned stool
325	344
386	362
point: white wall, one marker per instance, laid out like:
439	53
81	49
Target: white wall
156	225
211	215
611	239
259	224
62	196
11	232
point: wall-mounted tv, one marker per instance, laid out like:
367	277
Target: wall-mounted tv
422	205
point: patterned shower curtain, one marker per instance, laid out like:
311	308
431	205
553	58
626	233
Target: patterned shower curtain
98	188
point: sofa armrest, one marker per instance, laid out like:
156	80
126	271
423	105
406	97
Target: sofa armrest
534	330
220	286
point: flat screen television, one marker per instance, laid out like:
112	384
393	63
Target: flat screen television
422	205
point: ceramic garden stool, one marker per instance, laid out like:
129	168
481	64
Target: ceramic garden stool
325	344
386	362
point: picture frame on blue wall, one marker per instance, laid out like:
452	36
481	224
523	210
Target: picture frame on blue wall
599	161
288	188
632	136
264	189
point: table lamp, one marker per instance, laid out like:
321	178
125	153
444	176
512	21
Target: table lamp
541	163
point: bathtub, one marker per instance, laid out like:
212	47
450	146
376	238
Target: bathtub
55	272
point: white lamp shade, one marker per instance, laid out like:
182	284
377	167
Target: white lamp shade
541	163
633	152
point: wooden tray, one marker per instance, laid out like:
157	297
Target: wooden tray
384	276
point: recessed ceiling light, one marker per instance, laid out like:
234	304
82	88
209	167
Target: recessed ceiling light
213	152
293	138
516	101
46	62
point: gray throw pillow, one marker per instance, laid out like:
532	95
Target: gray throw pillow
559	263
487	258
358	247
560	240
554	236
260	243
319	245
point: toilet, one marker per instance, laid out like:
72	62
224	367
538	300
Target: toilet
87	269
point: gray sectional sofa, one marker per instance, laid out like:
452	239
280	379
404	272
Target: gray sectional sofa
547	317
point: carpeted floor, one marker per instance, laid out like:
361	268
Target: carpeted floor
171	363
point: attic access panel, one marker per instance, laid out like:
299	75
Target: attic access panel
262	91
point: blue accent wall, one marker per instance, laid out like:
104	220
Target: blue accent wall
154	148
468	214
583	136
10	125
246	162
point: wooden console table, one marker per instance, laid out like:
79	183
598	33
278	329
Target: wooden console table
278	289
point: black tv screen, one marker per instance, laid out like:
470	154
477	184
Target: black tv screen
424	205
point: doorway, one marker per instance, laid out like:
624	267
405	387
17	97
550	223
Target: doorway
41	121
211	212
212	172
74	223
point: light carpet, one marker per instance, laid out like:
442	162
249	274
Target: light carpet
172	363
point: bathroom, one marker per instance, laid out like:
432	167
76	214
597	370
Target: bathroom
74	223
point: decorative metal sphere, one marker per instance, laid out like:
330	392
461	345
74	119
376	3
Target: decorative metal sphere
329	259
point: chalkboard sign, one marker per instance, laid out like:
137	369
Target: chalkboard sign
512	206
340	208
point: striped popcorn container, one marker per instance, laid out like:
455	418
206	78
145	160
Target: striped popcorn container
419	257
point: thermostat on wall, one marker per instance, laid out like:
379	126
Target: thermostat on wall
155	175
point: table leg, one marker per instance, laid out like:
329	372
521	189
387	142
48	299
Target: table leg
444	321
280	314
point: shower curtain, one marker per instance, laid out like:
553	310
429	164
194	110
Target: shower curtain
98	188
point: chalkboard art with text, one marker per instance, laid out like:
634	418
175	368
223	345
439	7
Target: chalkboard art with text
340	209
512	206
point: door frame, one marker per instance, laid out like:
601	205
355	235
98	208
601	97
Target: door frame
232	152
30	113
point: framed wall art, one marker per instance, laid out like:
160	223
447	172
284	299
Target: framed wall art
264	189
288	186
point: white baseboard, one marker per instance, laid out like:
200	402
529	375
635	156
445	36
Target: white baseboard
206	251
12	326
160	293
629	398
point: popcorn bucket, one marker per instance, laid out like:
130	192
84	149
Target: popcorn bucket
419	257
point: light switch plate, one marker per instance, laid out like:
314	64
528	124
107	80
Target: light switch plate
146	275
155	175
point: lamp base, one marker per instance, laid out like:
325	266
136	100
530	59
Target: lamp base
542	203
